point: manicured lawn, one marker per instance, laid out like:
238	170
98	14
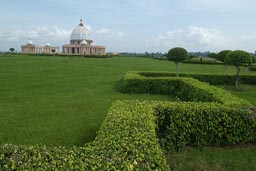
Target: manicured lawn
63	100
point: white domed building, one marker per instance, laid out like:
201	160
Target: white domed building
31	48
81	43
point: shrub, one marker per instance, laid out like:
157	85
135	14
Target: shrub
187	89
203	124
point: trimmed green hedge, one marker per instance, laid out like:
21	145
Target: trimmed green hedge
203	124
213	79
226	120
186	89
126	141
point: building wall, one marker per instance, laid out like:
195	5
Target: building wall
32	49
76	49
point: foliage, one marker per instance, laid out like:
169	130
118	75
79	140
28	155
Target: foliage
177	54
12	50
190	57
187	89
238	58
126	141
203	124
212	55
222	54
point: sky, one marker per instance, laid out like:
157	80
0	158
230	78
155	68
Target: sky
132	25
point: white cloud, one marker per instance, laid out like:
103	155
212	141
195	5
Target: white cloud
109	33
193	38
103	31
59	33
40	36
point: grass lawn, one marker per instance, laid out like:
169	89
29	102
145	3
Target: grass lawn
239	158
62	101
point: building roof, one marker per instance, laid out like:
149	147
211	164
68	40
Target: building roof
81	32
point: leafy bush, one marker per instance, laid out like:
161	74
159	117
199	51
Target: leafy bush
187	89
203	124
126	141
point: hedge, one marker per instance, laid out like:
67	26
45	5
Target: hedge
211	116
213	79
126	141
203	124
186	89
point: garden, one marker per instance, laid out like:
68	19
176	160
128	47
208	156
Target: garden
76	114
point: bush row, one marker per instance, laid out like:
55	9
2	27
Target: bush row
203	124
126	141
186	89
222	119
213	79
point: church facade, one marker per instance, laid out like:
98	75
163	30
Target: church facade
81	43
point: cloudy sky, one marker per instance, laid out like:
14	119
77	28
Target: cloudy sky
132	25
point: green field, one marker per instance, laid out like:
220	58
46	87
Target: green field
62	101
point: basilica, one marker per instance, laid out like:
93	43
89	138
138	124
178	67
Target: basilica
81	43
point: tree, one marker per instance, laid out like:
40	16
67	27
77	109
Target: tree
213	55
221	57
238	58
177	55
190	57
53	51
12	50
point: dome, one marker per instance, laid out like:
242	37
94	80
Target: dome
83	42
48	44
80	32
30	42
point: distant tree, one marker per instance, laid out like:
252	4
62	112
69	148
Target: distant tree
53	51
238	58
213	55
12	50
177	55
190	57
221	57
